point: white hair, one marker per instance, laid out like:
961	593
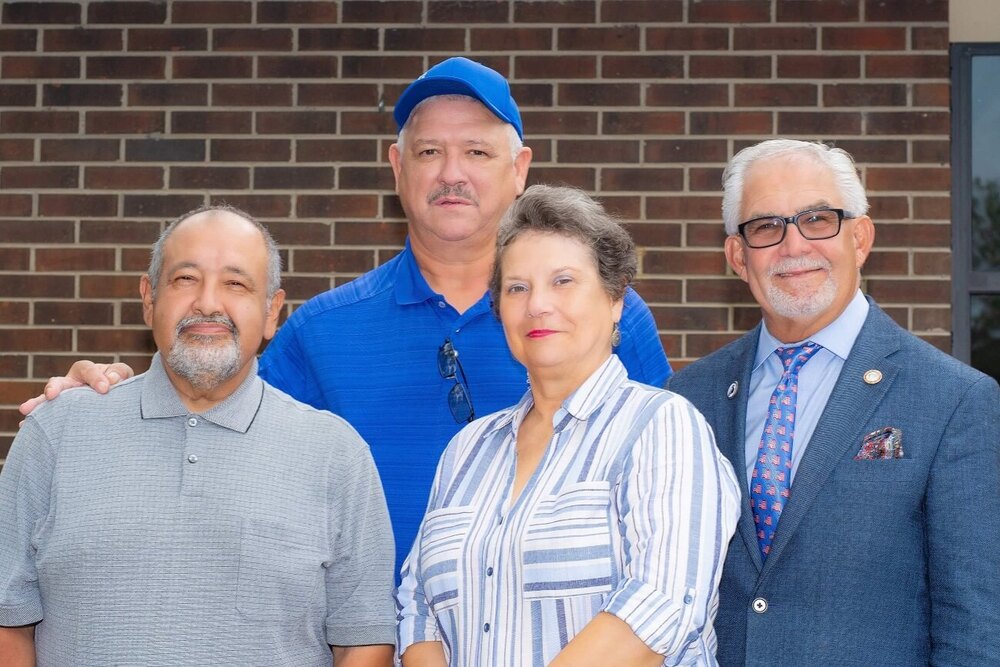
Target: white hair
837	160
515	141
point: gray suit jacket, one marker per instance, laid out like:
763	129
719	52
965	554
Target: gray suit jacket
874	562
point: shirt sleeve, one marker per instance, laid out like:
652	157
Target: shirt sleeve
359	578
24	504
284	365
641	350
679	504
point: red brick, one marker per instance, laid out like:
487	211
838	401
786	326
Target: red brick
654	234
135	259
731	122
888	207
734	67
167	39
163	207
883	263
511	39
75	259
250	150
931	94
465	11
692	318
212	67
907	67
818	123
301	233
15	178
262	206
164	150
210	13
718	290
686	207
33	286
126	67
18	40
555	67
926	319
114	286
912	235
652	179
12	365
337	206
38	122
687	38
887	290
332	260
592	151
209	178
124	122
729	11
77	206
908	178
252	39
818	67
643	122
382	11
127	12
424	39
337	94
73	313
864	38
775	95
933	208
337	150
708	235
675	150
303	67
13	259
298	178
596	94
211	122
366	178
123	178
167	94
864	94
686	95
12	205
404	67
40	67
252	94
932	263
908	122
17	150
17	95
83	39
938	152
541	11
617	38
778	38
704	178
291	11
641	11
642	67
79	150
297	122
118	231
35	339
367	122
338	39
817	11
40	12
929	39
688	262
116	340
909	11
81	95
874	150
624	207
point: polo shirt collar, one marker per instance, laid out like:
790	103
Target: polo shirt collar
411	286
159	399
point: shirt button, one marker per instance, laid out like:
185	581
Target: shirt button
486	627
192	458
489	572
759	605
192	421
441	304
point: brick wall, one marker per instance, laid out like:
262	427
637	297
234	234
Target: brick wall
115	116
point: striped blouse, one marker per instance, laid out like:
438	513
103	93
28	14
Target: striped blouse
629	512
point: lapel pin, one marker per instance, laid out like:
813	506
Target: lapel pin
733	388
873	376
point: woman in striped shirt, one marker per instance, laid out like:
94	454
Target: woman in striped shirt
588	524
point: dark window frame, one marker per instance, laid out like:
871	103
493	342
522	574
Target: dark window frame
964	281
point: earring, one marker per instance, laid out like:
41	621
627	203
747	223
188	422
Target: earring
616	335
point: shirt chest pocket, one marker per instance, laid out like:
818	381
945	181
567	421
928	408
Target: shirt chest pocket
567	549
280	573
442	538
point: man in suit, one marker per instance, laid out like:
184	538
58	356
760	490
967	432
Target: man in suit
869	460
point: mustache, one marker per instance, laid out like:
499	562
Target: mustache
224	320
798	264
458	190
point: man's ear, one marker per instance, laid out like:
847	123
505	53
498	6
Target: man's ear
736	255
864	238
146	292
521	164
395	159
273	313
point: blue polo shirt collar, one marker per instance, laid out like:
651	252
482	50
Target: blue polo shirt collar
410	285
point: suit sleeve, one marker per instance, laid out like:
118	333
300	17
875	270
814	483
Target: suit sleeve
963	529
641	350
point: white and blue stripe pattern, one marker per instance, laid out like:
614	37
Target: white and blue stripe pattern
630	512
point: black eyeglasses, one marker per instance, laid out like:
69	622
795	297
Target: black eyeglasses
459	398
815	225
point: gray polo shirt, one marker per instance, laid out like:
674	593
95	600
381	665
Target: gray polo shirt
141	534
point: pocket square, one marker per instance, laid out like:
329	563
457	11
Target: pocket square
885	443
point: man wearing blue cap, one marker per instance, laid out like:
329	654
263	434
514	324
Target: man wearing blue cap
410	352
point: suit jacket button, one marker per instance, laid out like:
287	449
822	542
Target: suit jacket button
759	605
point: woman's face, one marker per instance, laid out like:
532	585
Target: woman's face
556	315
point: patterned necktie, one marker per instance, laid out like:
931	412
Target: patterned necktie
771	480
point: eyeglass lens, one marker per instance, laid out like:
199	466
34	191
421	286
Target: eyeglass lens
813	225
450	368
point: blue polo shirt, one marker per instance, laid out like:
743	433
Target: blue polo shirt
367	351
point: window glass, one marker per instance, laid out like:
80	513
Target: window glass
985	323
985	239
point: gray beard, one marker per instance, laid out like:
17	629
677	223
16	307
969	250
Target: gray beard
794	306
201	360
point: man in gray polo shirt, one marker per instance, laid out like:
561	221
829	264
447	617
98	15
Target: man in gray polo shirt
195	515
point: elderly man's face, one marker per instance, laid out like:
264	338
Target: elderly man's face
211	310
455	175
801	285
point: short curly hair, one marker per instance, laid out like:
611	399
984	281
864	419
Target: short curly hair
572	213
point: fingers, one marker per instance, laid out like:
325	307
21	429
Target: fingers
29	405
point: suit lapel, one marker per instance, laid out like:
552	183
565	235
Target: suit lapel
851	403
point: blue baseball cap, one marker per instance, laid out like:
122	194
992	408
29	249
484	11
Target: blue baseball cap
461	76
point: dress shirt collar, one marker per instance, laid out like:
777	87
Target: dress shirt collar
411	286
159	399
838	337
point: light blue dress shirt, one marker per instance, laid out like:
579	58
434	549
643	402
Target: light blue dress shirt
816	379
